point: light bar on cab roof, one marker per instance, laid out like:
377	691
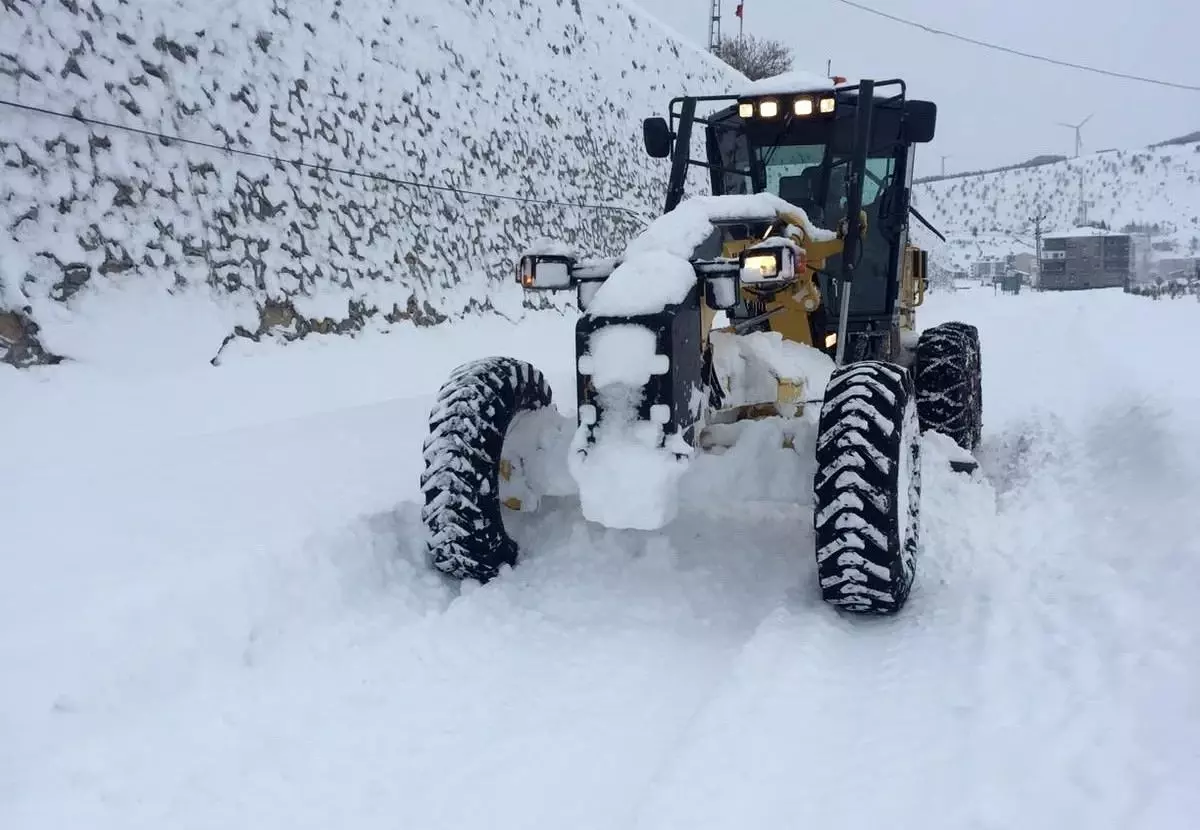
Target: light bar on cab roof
805	105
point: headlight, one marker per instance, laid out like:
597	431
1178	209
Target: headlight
771	265
746	110
768	109
803	106
757	267
827	105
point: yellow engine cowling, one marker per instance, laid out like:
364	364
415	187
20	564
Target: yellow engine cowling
804	296
793	305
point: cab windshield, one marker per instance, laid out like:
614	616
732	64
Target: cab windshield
795	173
811	178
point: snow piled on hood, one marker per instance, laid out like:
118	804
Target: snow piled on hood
644	283
656	269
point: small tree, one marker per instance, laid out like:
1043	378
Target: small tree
755	58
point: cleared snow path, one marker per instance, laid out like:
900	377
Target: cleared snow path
219	617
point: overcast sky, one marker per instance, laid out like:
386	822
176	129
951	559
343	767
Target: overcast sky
995	108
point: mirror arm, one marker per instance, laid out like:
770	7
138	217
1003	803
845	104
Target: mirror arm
925	222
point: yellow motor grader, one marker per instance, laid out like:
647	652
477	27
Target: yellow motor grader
803	249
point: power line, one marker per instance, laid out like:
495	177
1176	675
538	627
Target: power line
380	177
935	31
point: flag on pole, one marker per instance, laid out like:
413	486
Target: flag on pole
739	10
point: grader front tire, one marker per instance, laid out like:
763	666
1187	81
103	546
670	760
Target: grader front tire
461	481
867	488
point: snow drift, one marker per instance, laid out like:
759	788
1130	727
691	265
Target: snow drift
529	99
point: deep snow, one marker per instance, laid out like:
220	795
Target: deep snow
213	610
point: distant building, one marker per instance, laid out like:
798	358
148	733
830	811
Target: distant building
994	270
1086	257
988	271
1022	262
1169	268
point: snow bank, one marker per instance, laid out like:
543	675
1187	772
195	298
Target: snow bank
432	94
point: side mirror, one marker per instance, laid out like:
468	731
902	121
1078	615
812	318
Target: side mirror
920	121
544	272
918	269
657	137
721	293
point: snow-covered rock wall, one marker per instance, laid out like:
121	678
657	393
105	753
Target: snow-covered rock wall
530	98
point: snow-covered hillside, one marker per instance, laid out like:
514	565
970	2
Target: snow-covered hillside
215	610
991	214
100	229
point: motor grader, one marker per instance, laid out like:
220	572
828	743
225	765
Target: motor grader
788	292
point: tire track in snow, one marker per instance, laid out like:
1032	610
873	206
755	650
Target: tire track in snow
582	665
995	700
816	718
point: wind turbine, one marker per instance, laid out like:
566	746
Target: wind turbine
1077	128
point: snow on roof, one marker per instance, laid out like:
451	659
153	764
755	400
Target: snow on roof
795	81
656	271
1081	231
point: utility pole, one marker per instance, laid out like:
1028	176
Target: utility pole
1037	245
714	27
1082	202
944	165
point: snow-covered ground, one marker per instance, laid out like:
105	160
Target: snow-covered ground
214	612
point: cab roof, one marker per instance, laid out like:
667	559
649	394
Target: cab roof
788	83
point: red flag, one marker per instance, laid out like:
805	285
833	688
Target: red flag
739	9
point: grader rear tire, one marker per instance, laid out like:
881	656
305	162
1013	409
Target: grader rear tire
948	377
